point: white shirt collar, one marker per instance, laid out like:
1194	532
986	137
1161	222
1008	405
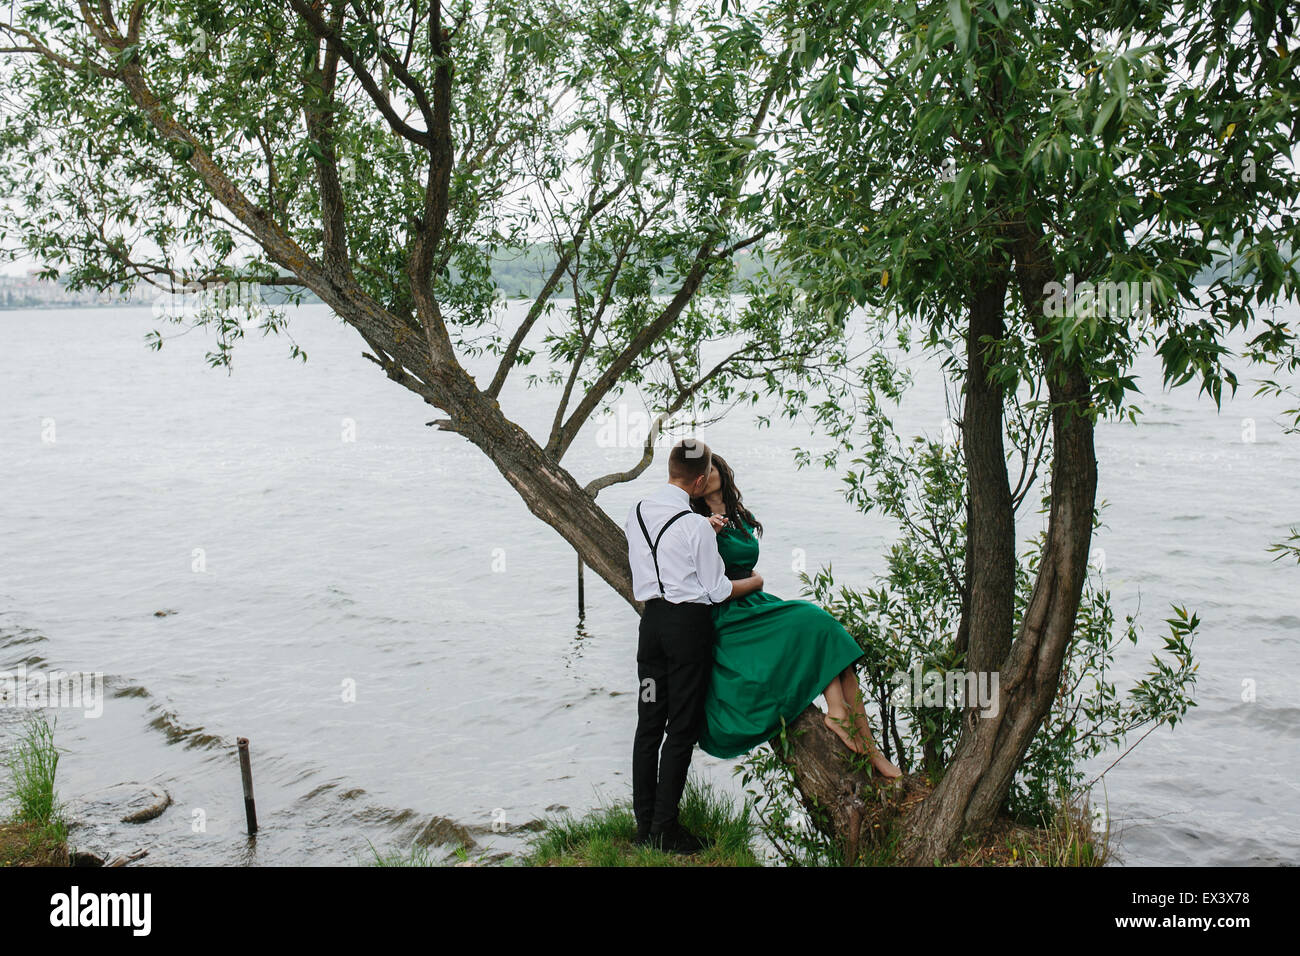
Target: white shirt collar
675	491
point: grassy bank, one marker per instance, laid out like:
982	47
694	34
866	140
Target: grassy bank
36	832
604	837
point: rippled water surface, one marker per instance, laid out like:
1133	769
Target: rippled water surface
293	566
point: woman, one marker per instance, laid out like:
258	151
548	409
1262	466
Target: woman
773	657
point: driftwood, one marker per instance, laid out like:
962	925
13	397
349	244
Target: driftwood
120	803
155	800
126	858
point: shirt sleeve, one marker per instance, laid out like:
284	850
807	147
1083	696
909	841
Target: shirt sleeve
631	527
708	565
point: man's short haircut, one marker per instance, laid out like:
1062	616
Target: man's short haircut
689	459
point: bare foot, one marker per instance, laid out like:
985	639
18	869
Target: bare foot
862	730
879	761
838	724
883	767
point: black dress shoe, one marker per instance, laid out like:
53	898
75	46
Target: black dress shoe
675	838
642	837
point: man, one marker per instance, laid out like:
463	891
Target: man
678	573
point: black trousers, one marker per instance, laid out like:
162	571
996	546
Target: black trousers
674	663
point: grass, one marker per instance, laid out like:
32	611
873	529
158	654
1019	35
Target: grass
1069	840
416	856
37	832
604	836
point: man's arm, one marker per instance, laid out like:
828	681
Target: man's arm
747	586
713	573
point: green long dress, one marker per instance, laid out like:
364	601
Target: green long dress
772	657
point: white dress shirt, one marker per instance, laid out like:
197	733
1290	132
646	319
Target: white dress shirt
689	564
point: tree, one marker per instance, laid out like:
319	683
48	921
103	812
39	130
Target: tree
381	155
1048	188
384	156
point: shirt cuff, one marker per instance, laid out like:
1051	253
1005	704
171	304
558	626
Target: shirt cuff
721	591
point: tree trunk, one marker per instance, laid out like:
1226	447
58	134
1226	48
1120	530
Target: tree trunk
983	767
546	487
988	605
846	804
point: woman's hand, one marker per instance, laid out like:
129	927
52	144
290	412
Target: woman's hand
719	522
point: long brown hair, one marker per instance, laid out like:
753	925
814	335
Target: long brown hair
731	498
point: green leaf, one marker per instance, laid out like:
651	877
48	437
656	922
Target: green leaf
1104	114
959	188
959	14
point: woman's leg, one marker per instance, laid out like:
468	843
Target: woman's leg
852	694
839	716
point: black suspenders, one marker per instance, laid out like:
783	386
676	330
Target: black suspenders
654	545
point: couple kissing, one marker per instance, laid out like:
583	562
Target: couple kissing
720	661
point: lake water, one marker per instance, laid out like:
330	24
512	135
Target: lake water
312	542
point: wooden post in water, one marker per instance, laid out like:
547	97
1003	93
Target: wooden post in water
582	603
246	772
